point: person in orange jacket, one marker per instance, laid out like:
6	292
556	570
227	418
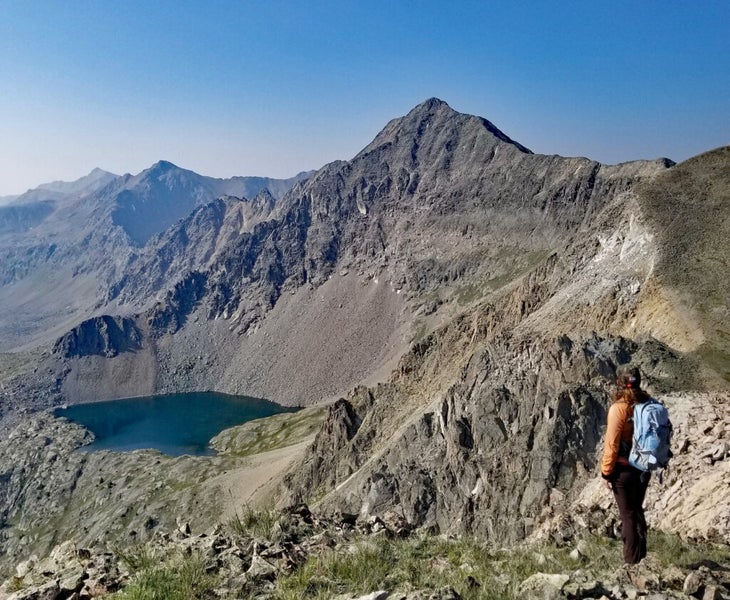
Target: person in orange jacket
627	482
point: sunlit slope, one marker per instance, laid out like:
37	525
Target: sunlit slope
688	207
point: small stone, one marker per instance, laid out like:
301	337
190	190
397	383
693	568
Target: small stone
184	528
72	580
631	592
26	567
83	554
720	451
379	595
47	591
261	569
547	586
583	588
712	592
63	552
692	584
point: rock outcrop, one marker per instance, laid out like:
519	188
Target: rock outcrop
101	336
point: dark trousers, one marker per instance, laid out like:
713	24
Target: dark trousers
629	488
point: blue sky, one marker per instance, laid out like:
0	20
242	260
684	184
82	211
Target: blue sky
272	88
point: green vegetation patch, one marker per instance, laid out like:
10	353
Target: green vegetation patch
522	265
471	568
420	563
670	549
256	523
177	577
271	433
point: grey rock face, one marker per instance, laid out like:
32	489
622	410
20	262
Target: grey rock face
154	200
483	459
103	336
437	205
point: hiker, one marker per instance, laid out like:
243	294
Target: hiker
627	482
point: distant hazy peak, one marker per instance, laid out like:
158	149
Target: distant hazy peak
93	175
163	165
97	172
96	179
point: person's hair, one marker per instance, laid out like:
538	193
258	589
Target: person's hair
628	384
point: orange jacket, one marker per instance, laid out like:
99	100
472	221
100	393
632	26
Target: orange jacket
619	434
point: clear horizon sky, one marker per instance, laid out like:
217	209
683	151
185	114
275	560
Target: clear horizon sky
272	88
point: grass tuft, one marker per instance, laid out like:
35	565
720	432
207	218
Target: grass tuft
137	558
182	577
256	523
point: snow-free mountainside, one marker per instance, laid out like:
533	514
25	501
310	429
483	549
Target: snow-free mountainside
451	306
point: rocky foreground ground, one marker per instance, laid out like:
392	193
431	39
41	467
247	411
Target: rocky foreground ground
127	540
297	554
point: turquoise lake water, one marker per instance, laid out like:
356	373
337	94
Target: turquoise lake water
175	424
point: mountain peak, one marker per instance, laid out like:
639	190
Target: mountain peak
96	179
430	107
444	124
163	165
431	104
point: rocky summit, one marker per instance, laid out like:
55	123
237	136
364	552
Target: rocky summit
456	305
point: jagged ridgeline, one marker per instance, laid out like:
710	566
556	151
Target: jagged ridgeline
466	300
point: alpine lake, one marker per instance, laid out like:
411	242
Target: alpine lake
174	424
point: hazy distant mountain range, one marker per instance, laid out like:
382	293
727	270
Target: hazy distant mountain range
63	244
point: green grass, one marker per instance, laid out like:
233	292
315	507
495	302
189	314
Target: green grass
429	563
421	562
181	577
137	558
271	433
469	567
673	550
468	293
256	523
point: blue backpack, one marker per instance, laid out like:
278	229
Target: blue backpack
652	435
